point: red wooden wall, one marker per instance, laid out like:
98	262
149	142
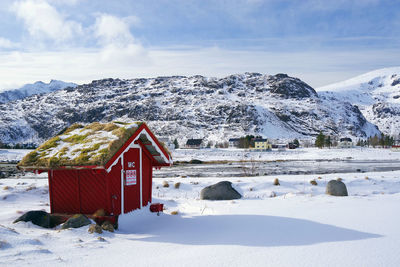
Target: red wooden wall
85	191
77	191
132	192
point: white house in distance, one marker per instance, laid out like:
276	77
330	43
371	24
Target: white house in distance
345	142
234	142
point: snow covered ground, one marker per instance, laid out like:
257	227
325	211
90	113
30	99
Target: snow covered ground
13	154
294	224
356	153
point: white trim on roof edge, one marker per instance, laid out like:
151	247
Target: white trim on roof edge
131	145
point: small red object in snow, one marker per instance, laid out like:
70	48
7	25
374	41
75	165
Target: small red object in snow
157	207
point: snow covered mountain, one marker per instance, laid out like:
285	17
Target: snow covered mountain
33	89
377	95
275	106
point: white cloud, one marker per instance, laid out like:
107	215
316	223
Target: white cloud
43	21
81	66
113	30
5	43
65	2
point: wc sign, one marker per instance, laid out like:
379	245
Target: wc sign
131	164
130	177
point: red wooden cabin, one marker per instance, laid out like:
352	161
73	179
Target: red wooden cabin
119	185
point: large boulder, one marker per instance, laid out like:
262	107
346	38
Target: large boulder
220	191
40	218
76	221
336	188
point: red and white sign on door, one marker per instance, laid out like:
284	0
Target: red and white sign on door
130	177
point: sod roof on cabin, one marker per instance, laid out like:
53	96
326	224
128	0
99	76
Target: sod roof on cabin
79	145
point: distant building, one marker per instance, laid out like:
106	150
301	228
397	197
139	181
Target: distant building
262	144
194	143
345	142
234	142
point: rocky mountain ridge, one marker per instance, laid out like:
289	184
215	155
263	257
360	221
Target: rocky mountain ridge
33	89
376	94
275	106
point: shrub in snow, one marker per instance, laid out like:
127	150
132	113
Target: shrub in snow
313	182
276	181
76	221
336	188
175	212
94	228
177	185
220	191
165	184
339	179
107	226
273	194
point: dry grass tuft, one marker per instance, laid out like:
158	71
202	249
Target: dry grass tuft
339	179
72	127
95	126
276	181
53	142
29	159
366	178
99	212
107	226
165	184
313	182
177	185
110	127
175	212
7	187
94	228
273	194
76	138
30	188
319	178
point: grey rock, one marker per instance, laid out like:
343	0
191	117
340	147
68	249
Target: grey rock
76	221
336	188
220	191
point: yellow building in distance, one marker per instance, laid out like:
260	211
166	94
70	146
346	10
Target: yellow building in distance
262	145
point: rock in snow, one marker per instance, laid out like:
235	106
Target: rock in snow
220	191
336	188
40	218
76	221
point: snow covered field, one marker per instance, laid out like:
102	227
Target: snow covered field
357	153
294	224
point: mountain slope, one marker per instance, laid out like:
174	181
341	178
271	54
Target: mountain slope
33	89
377	94
275	106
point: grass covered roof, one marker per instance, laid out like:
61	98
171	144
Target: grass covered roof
79	145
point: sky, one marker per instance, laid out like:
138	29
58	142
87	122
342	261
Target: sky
318	41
